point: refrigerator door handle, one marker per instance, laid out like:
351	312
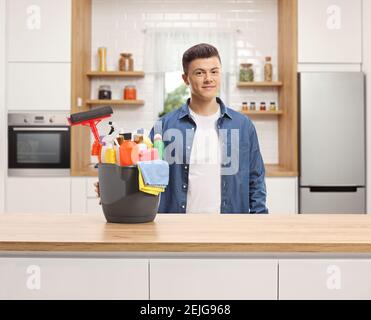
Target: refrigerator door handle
334	189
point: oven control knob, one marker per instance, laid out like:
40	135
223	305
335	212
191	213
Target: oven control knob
51	120
25	120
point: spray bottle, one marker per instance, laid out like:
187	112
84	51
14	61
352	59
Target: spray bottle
159	145
110	152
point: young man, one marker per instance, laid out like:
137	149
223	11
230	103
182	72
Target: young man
213	151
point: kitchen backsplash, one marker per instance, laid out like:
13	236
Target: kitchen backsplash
124	25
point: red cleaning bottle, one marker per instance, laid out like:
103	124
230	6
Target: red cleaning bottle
126	149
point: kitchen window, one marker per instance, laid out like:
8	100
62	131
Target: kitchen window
163	57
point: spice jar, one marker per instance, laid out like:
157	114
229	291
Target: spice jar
268	69
104	92
131	62
130	93
246	72
262	106
272	106
245	106
126	62
102	55
252	106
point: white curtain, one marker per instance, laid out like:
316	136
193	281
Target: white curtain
164	48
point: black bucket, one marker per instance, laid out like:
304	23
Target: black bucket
122	202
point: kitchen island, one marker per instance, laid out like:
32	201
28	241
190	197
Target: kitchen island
193	256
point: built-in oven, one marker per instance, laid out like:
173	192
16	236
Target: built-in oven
38	144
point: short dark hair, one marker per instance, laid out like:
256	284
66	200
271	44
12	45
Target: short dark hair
201	50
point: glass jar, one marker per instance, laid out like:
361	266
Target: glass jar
104	92
130	93
245	106
102	57
131	62
272	106
252	106
246	72
262	106
268	69
126	62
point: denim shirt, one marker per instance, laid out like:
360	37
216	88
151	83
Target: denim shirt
243	187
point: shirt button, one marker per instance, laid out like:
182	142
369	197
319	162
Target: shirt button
186	167
189	147
183	206
184	186
193	128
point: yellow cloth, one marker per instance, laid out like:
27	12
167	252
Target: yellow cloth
148	189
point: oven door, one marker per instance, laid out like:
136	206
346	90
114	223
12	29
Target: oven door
38	147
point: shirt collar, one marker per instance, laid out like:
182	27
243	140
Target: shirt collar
184	110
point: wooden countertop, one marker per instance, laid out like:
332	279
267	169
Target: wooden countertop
188	233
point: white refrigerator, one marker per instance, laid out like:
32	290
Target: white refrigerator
332	142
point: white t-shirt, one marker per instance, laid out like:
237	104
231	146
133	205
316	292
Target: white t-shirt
204	180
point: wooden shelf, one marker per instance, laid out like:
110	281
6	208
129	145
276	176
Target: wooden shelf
259	84
123	74
277	170
115	102
262	113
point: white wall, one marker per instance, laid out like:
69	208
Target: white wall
366	35
3	132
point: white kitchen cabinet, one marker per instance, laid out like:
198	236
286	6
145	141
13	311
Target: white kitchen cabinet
330	31
83	196
73	278
39	30
90	188
282	195
92	202
213	279
39	86
328	279
78	195
93	206
38	195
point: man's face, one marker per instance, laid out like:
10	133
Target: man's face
203	77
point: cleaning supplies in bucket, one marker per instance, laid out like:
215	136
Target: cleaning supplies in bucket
153	176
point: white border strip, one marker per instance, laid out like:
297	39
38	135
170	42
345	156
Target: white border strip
3	123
